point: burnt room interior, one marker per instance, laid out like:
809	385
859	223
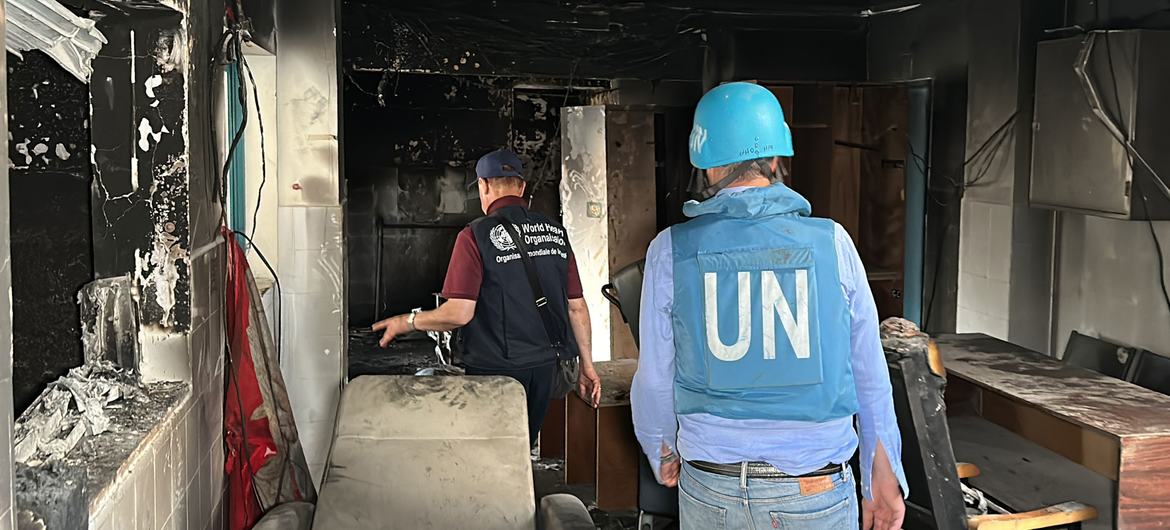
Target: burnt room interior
208	205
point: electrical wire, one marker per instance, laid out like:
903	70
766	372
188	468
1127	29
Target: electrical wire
1093	99
995	143
263	152
287	458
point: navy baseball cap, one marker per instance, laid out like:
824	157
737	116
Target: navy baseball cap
498	163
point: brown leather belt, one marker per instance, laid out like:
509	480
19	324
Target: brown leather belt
759	470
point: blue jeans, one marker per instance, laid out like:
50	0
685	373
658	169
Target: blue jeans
709	501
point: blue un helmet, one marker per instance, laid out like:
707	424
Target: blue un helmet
736	122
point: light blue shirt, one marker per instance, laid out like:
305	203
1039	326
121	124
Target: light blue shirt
793	447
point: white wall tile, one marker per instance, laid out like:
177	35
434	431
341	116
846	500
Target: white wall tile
316	399
999	255
165	357
144	491
103	519
123	515
217	480
998	299
195	518
316	437
195	445
974	234
164	478
199	507
313	236
180	517
997	327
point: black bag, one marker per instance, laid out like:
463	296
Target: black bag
568	367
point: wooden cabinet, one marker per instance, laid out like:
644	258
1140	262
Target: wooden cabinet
852	147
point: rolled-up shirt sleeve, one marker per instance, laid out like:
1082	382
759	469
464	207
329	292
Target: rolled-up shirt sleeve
875	416
652	392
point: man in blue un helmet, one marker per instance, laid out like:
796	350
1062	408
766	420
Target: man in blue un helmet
759	345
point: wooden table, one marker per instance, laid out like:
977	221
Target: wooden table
600	446
1115	428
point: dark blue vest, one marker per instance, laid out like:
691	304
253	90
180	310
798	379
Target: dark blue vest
506	331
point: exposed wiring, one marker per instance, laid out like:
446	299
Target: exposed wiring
1115	128
263	153
1094	99
277	342
982	156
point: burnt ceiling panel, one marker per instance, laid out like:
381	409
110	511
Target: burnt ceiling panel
645	40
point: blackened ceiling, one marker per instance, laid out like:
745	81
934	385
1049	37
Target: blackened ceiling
567	39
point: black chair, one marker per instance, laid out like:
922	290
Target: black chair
1151	371
928	459
1098	355
657	504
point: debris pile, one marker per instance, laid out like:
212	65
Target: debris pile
71	408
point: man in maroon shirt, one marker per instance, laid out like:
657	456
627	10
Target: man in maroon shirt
489	294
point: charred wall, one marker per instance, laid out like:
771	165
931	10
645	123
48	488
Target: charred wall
52	247
411	142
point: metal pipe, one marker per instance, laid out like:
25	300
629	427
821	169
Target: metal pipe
199	252
1094	99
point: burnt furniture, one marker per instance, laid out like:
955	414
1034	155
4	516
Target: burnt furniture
1118	430
657	504
600	446
1099	355
936	494
430	452
1151	371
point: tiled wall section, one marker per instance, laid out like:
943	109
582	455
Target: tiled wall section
176	480
313	322
6	515
985	253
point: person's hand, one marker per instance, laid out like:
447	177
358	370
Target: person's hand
391	328
589	385
886	510
669	468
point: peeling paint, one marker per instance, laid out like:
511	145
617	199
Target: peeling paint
152	83
46	25
146	132
62	152
160	268
22	148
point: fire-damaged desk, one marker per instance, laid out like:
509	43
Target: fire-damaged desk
1112	429
599	445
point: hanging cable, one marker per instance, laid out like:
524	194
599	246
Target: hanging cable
263	152
1092	96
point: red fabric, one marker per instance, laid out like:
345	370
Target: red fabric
465	270
249	444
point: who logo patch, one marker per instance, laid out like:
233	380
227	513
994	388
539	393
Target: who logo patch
501	239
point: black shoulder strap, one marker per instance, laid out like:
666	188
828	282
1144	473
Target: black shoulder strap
551	325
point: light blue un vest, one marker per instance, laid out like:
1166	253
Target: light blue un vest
761	324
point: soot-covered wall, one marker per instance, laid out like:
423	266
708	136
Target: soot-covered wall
52	247
411	141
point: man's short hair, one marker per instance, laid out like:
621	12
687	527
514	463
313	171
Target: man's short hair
510	182
753	168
